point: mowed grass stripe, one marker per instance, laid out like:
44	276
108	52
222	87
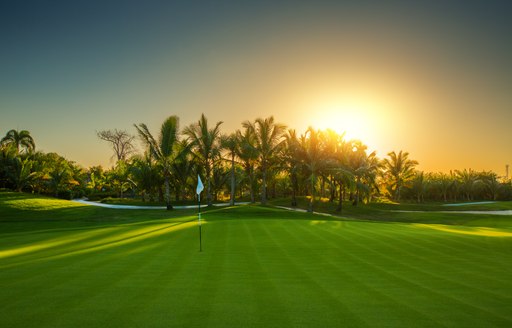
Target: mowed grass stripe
75	280
423	278
425	259
132	300
233	290
59	285
456	260
304	293
397	267
371	299
102	238
386	282
327	266
260	268
469	294
265	290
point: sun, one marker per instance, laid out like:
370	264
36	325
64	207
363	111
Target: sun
354	120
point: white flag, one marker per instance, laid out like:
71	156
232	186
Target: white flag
200	186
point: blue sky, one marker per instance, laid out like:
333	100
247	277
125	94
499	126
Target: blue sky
432	78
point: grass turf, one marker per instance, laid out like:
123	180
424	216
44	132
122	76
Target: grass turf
63	265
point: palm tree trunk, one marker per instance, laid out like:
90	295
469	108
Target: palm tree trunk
264	188
322	188
167	193
340	201
209	187
333	189
209	196
358	191
311	201
294	189
250	173
232	198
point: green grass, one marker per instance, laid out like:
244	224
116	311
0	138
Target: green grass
63	265
139	202
426	213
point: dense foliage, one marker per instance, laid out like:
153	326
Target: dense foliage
262	158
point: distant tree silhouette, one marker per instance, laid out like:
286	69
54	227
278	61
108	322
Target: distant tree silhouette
120	141
163	149
22	141
268	138
205	143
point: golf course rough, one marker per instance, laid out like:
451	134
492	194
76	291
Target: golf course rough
72	266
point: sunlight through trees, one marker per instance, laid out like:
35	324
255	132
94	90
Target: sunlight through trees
263	158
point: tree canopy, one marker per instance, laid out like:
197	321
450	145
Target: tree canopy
262	158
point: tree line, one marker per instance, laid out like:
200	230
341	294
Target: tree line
260	161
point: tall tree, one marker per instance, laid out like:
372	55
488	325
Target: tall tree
248	155
443	182
21	173
268	140
339	153
314	159
95	179
419	185
20	140
231	144
120	141
468	180
184	169
145	176
491	184
399	169
119	177
163	149
291	158
206	145
60	175
364	168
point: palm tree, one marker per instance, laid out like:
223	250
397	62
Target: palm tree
120	176
339	152
162	150
491	184
231	143
19	139
419	185
291	158
468	180
268	141
96	179
314	159
206	144
443	183
21	173
248	155
60	176
399	170
144	174
183	168
364	168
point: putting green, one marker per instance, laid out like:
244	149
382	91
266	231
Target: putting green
260	267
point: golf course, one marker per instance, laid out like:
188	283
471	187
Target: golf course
65	264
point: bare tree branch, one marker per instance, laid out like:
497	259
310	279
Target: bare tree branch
120	141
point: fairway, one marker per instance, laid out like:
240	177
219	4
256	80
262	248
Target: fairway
260	267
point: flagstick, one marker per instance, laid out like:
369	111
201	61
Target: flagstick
199	188
199	220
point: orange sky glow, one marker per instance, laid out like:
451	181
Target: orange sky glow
415	76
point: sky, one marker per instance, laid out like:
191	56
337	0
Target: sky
433	78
